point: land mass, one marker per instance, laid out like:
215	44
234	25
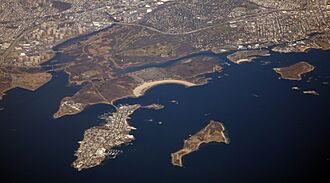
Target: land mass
319	41
134	83
213	132
154	106
30	29
247	55
146	38
99	141
295	71
311	92
18	77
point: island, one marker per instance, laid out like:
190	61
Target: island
311	92
98	142
294	71
213	132
295	88
154	106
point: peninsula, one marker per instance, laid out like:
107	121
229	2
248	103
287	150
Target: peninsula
213	132
99	80
247	55
17	77
294	71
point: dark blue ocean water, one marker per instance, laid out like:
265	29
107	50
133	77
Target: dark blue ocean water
277	135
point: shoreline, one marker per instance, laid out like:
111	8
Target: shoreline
137	92
211	133
141	89
291	73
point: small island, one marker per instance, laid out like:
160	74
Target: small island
213	132
311	92
295	71
154	106
295	88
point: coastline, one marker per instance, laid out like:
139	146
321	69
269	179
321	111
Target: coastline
137	92
30	82
225	134
141	89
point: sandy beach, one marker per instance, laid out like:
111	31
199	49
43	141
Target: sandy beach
141	89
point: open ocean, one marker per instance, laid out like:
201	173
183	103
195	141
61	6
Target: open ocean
277	135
